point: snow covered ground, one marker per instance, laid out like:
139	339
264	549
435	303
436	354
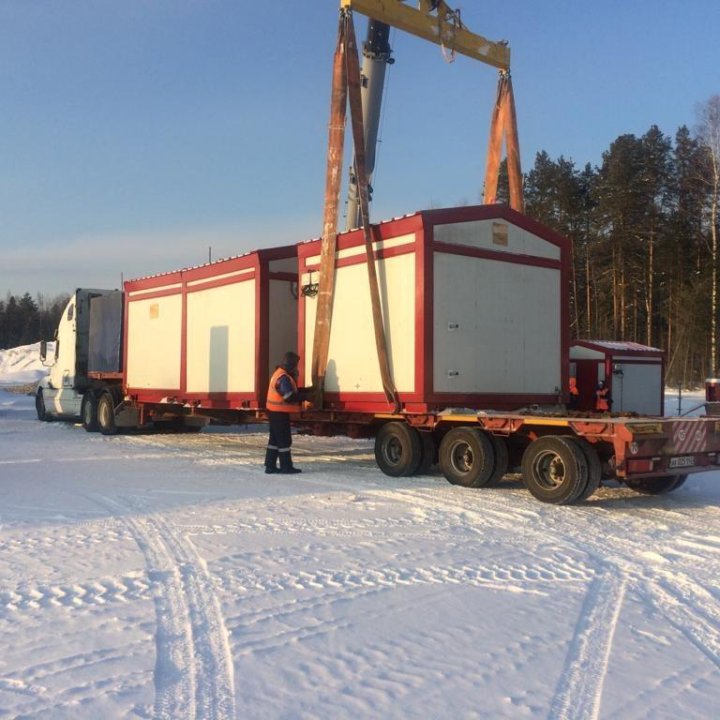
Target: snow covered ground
165	576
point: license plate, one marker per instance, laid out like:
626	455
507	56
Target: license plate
682	461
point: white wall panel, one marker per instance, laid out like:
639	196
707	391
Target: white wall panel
352	359
496	326
639	389
154	337
479	234
221	339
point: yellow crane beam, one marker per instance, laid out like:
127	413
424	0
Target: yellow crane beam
435	21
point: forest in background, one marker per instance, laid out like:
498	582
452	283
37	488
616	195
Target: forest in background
644	226
25	320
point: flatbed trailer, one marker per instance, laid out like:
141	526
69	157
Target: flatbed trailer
563	458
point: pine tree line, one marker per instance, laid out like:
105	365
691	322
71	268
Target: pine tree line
26	320
644	226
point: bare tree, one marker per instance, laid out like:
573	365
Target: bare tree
709	136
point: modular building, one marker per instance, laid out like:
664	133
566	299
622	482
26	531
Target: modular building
475	308
210	335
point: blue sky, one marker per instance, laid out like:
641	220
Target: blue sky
135	134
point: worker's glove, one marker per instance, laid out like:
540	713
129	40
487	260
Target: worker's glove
307	393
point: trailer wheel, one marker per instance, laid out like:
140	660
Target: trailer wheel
40	409
594	468
106	414
428	450
502	459
398	449
679	482
554	470
656	485
467	457
88	412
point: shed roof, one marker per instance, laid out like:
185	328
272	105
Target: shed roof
610	347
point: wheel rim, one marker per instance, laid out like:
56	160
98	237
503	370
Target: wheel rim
393	451
549	469
103	414
462	458
87	412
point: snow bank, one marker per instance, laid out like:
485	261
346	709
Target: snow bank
21	365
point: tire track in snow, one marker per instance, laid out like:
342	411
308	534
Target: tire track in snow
681	597
673	599
194	674
579	691
28	598
83	533
511	577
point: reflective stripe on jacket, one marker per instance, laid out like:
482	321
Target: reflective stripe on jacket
275	400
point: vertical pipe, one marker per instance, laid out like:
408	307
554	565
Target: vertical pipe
376	57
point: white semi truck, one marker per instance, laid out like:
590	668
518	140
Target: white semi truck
64	392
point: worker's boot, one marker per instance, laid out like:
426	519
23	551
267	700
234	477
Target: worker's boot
286	466
271	456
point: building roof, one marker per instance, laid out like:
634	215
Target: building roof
610	346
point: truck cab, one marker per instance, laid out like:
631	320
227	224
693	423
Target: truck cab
59	394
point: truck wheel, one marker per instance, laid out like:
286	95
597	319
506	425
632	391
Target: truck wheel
106	414
502	459
467	457
594	467
88	412
42	413
398	449
656	485
429	452
554	470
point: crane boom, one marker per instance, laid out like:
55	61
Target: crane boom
437	22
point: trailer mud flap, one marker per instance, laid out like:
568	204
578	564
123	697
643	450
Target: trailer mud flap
127	417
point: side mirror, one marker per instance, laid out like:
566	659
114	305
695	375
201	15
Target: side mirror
50	349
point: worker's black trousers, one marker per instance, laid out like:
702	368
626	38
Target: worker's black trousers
279	444
280	437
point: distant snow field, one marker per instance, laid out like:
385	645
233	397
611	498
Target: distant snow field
166	576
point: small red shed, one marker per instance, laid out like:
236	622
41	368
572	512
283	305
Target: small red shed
634	373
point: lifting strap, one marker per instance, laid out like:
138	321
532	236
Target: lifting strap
504	122
326	285
346	84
